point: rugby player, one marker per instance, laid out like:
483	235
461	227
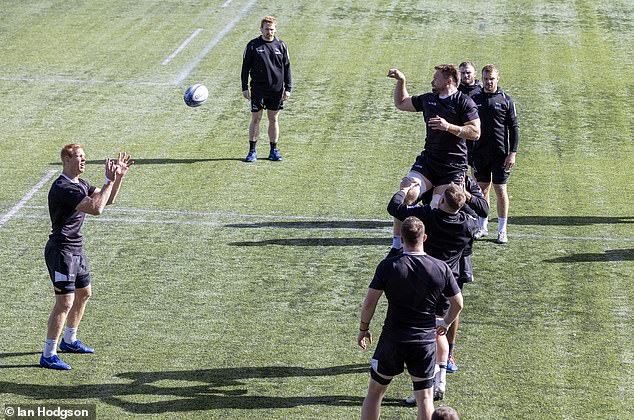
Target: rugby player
449	231
451	118
494	155
413	282
267	61
69	199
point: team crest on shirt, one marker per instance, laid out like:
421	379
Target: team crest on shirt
260	50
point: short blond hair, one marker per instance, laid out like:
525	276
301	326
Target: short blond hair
268	19
490	68
67	151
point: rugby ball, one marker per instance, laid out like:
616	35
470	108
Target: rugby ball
196	95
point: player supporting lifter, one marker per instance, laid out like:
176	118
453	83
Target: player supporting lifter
477	206
267	61
451	117
450	229
413	282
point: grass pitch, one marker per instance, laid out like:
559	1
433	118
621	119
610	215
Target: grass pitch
230	290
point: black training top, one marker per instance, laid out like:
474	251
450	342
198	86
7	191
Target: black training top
477	206
269	65
412	284
471	90
457	109
447	234
498	119
63	197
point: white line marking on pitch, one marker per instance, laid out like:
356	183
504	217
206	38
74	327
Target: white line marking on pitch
27	197
192	65
86	82
226	3
182	46
306	219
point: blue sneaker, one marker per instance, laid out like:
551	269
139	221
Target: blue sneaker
275	155
75	347
452	367
251	157
53	362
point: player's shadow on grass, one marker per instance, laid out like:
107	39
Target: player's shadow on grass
569	220
199	390
18	354
316	224
609	255
315	242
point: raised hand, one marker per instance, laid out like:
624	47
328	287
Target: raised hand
123	163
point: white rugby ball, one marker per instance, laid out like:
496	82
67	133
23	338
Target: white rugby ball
196	95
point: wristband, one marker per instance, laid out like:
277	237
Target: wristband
108	181
367	329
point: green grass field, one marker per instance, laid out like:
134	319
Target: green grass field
231	290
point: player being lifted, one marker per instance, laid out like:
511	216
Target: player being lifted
451	118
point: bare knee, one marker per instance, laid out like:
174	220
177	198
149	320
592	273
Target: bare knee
256	117
63	306
272	116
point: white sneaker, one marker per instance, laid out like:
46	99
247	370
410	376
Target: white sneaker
410	400
481	234
502	238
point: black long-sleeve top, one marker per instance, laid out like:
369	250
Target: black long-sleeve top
268	64
499	133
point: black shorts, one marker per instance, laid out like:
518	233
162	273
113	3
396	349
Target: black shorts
390	357
438	172
68	270
466	270
271	101
486	166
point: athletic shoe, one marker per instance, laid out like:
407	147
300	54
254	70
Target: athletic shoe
410	400
452	367
394	252
75	347
275	155
502	238
251	157
53	362
438	394
481	234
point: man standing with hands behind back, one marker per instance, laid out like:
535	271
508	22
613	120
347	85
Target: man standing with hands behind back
267	61
494	154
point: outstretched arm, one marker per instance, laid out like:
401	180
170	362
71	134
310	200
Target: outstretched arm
402	100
